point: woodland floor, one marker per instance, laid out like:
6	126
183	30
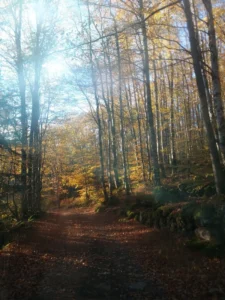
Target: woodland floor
82	255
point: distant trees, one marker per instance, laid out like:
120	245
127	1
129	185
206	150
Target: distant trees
144	81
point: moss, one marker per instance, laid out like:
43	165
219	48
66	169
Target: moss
130	214
198	187
166	210
184	216
181	225
196	244
123	220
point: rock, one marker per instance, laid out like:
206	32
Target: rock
213	235
203	234
138	286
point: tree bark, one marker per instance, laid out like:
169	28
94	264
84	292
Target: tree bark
197	60
99	123
122	133
154	155
23	113
217	94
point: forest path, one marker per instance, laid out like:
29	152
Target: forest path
82	255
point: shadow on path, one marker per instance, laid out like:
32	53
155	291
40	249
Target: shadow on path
78	255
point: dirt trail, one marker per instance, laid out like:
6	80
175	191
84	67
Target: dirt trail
82	255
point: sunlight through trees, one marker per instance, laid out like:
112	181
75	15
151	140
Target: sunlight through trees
100	97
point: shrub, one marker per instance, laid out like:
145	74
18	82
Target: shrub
164	195
130	214
146	201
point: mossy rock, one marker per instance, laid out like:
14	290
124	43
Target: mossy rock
130	214
187	213
100	208
121	213
155	218
136	218
205	215
143	217
206	248
165	210
171	220
164	195
145	201
132	206
185	217
198	188
150	219
180	222
213	234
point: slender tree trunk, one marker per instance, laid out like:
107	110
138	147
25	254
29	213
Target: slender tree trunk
143	95
173	157
154	155
137	106
113	125
109	127
159	144
35	132
132	126
22	90
217	94
122	133
99	123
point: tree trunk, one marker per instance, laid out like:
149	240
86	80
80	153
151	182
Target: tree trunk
22	90
217	94
122	133
113	125
154	155
99	123
157	106
197	60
